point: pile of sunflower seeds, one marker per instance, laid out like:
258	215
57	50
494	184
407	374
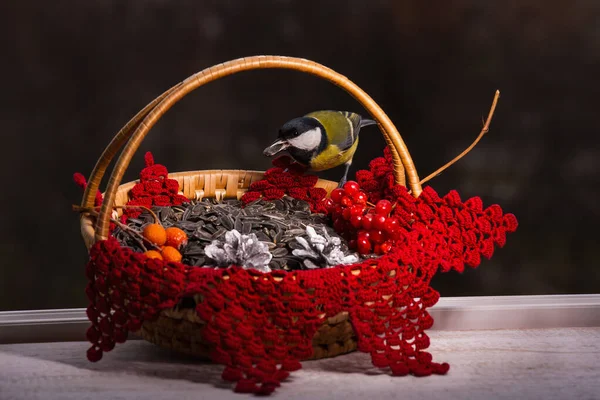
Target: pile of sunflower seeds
277	223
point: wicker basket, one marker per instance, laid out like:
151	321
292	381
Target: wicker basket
378	306
178	329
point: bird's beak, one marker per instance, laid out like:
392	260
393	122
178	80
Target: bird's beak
277	147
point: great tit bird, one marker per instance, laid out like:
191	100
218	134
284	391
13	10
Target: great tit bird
321	140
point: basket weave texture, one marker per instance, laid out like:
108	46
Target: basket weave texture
260	326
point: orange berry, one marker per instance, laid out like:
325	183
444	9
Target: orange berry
170	253
153	254
156	234
176	237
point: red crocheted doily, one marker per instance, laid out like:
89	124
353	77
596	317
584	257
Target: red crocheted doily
261	325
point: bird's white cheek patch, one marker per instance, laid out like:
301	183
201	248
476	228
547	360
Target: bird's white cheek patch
309	140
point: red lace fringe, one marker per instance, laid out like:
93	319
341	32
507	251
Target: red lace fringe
261	325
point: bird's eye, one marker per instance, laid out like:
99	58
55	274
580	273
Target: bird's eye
295	133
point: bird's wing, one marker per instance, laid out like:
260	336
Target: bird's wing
345	141
354	119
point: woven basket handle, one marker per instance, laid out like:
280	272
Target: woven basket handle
146	119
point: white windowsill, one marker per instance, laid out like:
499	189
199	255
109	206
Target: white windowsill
450	314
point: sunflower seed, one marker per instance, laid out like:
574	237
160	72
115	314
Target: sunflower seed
227	222
294	245
237	225
246	228
279	205
200	261
203	235
194	249
166	213
220	232
186	214
274	216
280	252
210	228
263	237
208	218
198	209
278	237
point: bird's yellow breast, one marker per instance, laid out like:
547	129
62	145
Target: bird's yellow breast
332	157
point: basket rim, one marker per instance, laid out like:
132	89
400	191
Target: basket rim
225	177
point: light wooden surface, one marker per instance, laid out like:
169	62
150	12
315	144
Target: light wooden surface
544	364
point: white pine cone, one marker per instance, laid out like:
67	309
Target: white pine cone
322	250
243	250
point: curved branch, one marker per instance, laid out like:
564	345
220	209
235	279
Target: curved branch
484	130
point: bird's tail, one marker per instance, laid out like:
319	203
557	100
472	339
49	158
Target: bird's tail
366	122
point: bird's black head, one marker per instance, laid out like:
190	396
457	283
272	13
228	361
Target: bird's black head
296	127
301	138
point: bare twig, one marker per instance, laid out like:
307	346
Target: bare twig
484	130
138	237
156	219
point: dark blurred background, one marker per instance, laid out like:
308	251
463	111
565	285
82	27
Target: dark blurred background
74	72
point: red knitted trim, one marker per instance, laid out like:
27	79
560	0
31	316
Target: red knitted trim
250	309
154	189
82	183
378	181
253	320
276	183
261	325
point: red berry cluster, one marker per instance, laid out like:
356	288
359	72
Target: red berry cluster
369	228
